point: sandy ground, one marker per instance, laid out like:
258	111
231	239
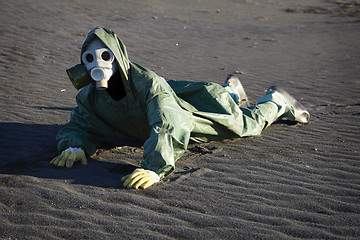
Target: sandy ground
294	181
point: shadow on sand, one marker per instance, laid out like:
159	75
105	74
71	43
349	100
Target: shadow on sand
26	149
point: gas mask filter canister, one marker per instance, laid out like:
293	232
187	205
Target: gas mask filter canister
78	76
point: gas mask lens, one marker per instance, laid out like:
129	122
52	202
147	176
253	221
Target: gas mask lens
89	58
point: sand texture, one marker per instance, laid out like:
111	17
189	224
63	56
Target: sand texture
294	181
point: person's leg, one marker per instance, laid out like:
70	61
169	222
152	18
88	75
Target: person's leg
274	104
293	110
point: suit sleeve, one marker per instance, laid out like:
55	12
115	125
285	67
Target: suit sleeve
170	129
83	129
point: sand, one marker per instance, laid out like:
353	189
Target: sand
293	181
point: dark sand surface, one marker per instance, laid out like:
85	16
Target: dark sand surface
294	181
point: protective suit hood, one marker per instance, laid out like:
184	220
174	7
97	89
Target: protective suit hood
111	41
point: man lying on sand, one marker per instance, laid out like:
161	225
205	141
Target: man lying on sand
121	98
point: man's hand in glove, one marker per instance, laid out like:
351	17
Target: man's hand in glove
69	156
140	178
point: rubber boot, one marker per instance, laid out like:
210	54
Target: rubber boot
288	106
233	85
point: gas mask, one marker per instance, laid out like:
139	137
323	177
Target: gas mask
99	64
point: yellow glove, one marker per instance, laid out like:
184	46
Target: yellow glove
69	156
140	178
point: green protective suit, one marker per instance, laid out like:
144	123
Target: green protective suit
164	114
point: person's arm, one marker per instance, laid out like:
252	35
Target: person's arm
81	135
170	133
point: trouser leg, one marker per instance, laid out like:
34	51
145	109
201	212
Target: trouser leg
266	111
